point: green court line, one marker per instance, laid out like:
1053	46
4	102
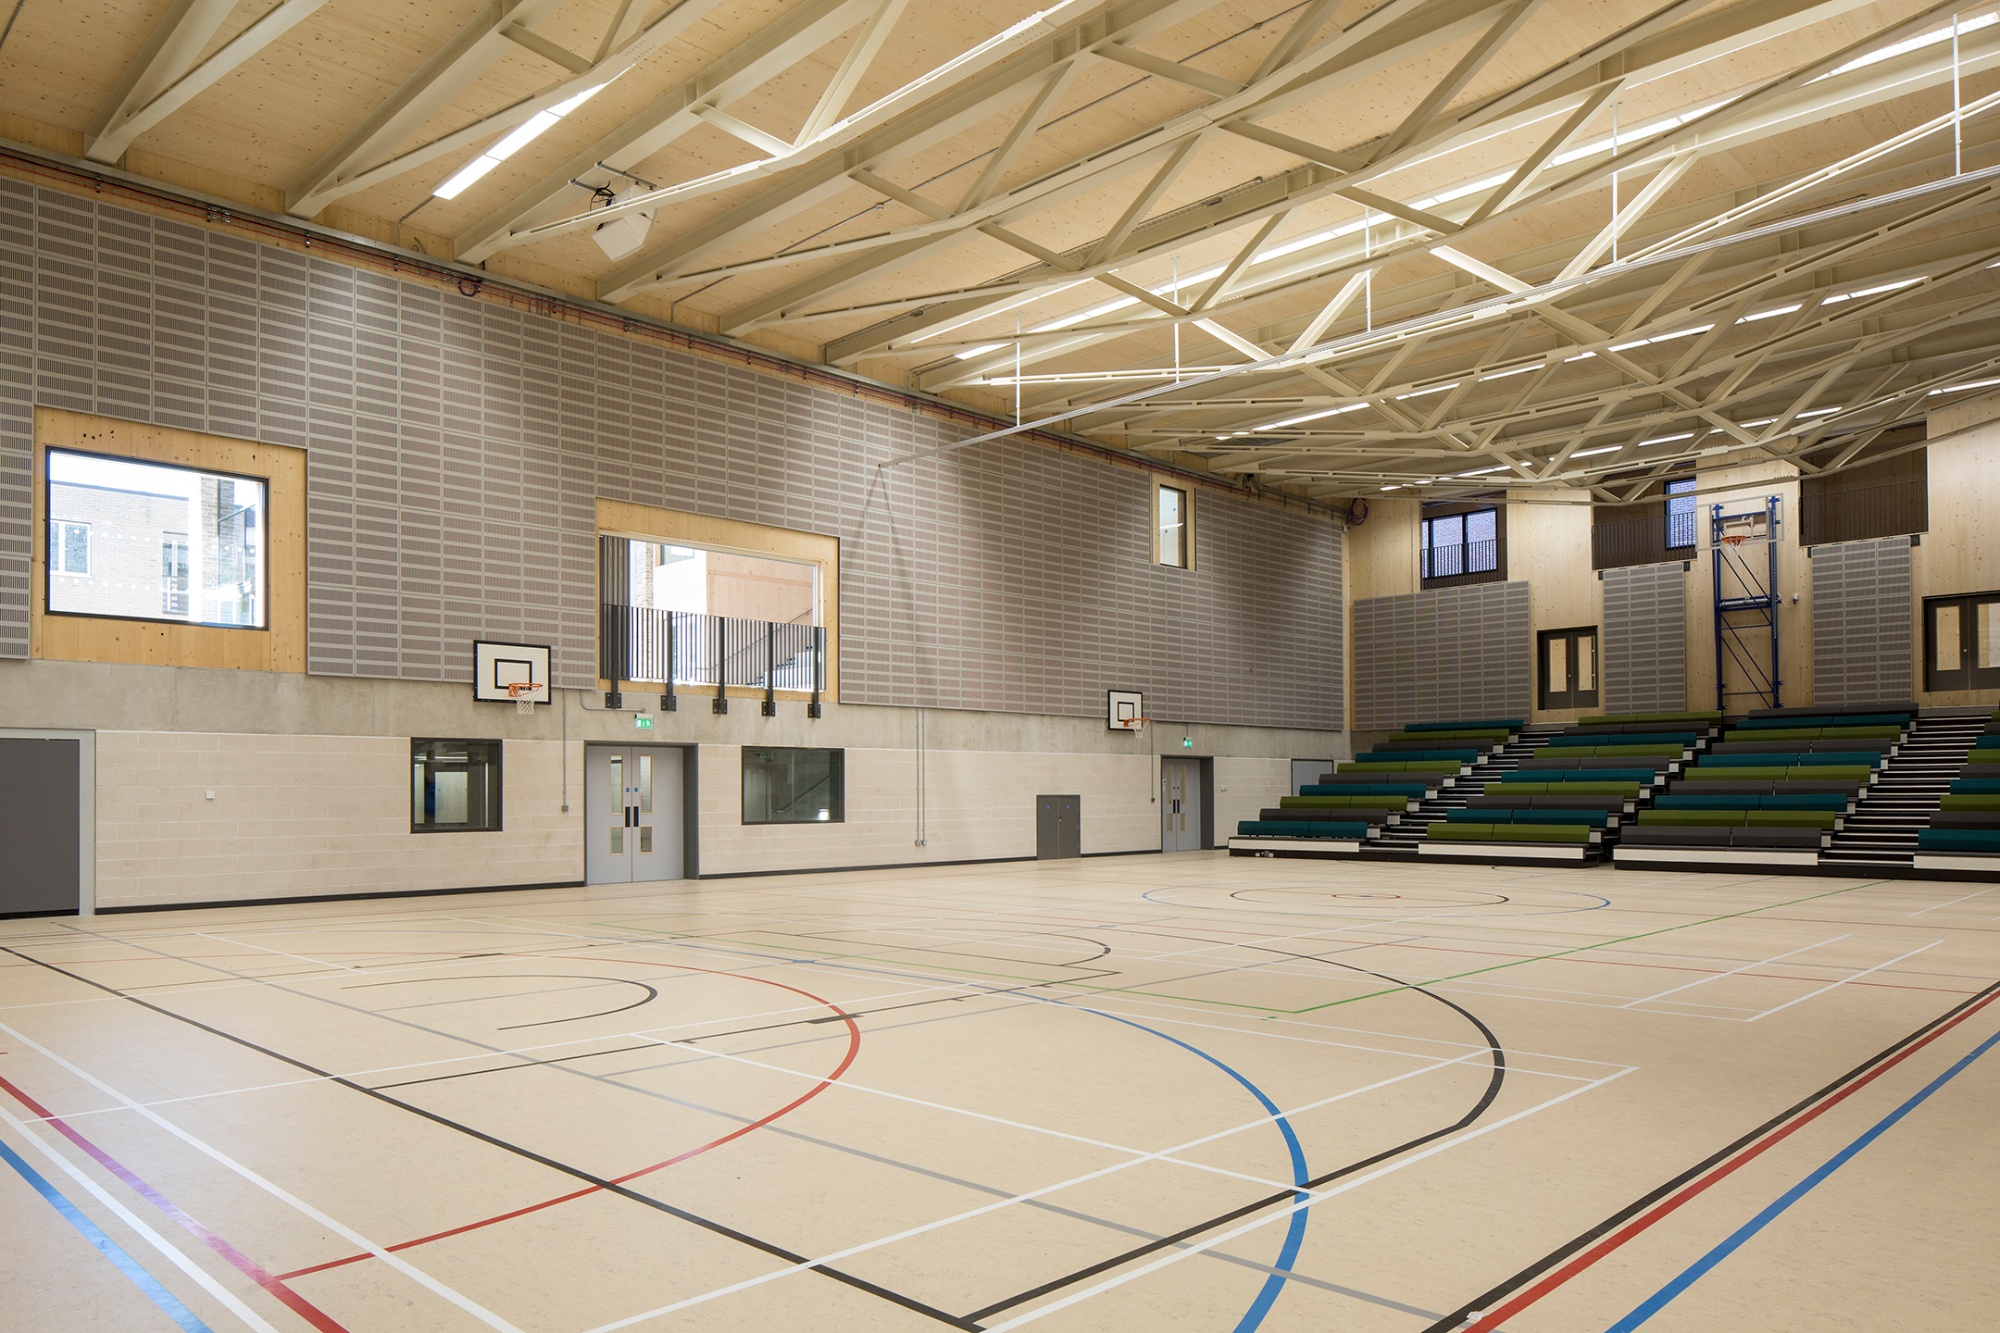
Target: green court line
1265	1009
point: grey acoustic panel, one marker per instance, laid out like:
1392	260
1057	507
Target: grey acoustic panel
1442	655
1862	643
17	289
1645	638
456	450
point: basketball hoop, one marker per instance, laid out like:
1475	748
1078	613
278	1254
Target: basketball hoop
522	692
1735	538
1133	723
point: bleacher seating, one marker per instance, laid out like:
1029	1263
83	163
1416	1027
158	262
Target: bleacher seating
1769	794
1963	838
1350	805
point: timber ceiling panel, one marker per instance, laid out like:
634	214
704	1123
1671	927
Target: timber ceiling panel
1340	246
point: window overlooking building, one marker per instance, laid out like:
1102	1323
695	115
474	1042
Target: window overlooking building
1457	544
69	547
724	583
786	786
151	541
454	786
1173	526
1680	513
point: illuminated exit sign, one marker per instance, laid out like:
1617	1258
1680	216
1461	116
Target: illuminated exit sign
643	722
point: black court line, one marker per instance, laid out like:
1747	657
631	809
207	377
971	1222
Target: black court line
564	1168
651	994
1488	1299
1285	1196
670	1043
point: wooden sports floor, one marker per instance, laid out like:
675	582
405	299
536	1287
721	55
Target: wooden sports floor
1139	1094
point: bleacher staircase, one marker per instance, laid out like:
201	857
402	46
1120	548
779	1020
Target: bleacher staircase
1399	841
1881	834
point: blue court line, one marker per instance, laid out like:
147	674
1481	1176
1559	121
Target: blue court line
127	1265
1695	1271
1295	1232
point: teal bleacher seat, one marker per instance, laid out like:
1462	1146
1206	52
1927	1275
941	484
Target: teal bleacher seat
1300	828
1580	775
1976	787
1490	815
1958	840
1681	801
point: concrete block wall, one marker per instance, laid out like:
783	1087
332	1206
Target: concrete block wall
302	816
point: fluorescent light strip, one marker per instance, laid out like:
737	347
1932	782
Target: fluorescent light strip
532	129
1931	38
1310	416
1665	439
1601	449
1965	388
1484	471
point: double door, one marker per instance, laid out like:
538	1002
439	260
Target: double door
632	813
1180	805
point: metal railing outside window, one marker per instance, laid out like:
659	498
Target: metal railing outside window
644	645
1444	562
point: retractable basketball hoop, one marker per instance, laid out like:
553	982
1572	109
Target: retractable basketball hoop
523	692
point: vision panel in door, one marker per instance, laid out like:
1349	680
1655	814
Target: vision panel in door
632	813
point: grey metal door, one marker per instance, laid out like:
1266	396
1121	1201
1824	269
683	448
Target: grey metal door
1180	805
632	813
40	826
1058	827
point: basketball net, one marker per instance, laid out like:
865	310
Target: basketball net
522	692
1133	723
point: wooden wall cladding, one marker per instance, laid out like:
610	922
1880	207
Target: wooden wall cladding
281	646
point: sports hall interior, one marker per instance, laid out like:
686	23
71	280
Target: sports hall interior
1126	666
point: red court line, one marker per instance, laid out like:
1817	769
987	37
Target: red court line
825	1081
304	1308
1493	1318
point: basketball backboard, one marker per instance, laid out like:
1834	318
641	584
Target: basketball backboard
1124	710
509	672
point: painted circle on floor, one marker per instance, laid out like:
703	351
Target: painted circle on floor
1426	901
1423	899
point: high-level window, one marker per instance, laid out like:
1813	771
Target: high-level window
1680	513
151	541
1962	642
1173	530
1455	544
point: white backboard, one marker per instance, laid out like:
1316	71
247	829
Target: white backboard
495	666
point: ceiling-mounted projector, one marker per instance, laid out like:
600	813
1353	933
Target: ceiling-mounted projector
624	233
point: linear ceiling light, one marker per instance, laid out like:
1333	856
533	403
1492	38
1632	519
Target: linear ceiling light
533	129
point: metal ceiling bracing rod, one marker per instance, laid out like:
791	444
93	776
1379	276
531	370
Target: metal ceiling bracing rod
1640	50
1969	188
1720	129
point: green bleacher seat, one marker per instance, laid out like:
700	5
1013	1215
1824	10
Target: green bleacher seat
1616	719
1446	831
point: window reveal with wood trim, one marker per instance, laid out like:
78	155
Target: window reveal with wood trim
1462	543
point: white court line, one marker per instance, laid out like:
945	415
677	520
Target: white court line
1843	981
276	1191
1163	1154
279	953
153	1238
1175	1257
1312	1197
1703	981
1967	898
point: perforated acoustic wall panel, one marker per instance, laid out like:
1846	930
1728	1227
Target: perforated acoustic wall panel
1862	648
1645	638
1442	655
456	448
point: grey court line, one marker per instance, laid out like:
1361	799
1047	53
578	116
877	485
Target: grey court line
613	1080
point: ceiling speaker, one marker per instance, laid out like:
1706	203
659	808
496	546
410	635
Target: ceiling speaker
623	235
